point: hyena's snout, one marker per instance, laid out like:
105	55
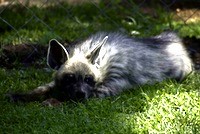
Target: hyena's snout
82	91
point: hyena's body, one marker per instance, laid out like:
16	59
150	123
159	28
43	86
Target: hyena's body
108	63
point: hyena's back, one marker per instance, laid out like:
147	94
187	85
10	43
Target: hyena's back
125	62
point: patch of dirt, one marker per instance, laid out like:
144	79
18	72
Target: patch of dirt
193	46
187	12
12	56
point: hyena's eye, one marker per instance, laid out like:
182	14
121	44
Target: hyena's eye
89	79
69	78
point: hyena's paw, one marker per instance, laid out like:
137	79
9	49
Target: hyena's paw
100	94
103	92
14	97
51	102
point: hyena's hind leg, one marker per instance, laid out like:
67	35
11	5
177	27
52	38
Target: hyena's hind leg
39	94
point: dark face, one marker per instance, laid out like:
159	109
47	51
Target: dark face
75	87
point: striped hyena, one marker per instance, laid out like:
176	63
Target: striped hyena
106	64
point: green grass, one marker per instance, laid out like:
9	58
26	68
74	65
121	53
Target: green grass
167	107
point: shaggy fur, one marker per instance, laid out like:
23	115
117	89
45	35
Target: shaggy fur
106	64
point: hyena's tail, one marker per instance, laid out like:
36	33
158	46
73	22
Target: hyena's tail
178	55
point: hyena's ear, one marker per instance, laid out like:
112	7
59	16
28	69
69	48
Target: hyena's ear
96	49
57	54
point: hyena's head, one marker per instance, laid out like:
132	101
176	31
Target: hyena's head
76	74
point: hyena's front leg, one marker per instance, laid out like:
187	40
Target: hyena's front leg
111	88
105	91
38	94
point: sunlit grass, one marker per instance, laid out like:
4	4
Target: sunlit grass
167	107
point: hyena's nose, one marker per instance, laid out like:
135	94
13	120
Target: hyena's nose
80	95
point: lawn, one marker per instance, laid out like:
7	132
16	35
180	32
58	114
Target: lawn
167	107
